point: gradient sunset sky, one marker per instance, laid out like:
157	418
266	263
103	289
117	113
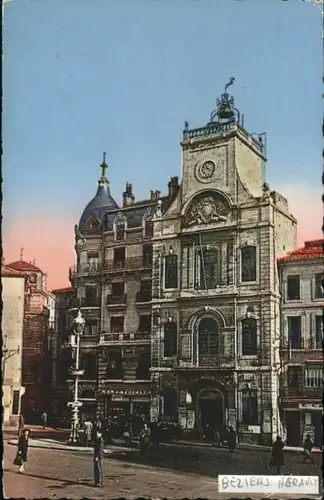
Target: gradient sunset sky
122	76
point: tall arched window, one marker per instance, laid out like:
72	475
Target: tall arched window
249	337
208	337
209	268
170	403
171	271
248	264
250	407
170	339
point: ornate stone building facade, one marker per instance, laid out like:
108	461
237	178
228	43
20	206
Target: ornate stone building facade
181	292
215	287
113	287
301	391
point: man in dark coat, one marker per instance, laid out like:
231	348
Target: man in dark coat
231	439
277	455
97	456
23	449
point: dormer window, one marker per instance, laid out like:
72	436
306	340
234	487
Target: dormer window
120	227
148	228
120	231
148	223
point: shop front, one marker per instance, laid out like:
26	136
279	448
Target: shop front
124	403
301	419
311	422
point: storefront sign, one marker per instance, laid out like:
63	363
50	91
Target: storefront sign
307	406
119	398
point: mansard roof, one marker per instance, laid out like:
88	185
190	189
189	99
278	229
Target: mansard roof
312	249
135	212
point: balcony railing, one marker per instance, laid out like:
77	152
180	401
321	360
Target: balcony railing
114	299
144	296
216	361
129	264
302	392
85	302
86	269
124	337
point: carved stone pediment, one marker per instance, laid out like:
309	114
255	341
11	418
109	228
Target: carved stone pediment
207	208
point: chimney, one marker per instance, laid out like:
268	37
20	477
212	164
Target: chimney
155	195
173	186
128	197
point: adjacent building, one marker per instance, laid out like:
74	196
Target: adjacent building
59	358
13	299
302	305
181	291
35	332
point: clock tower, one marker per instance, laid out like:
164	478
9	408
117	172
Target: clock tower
222	156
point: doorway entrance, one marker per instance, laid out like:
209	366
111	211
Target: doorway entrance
211	407
293	428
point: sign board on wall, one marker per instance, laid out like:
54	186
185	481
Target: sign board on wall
255	429
191	418
183	417
306	406
232	418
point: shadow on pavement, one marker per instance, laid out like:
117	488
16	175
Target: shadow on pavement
212	462
64	482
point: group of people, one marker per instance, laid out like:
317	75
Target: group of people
151	435
224	437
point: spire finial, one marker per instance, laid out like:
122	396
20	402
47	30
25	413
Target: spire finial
103	165
231	81
21	253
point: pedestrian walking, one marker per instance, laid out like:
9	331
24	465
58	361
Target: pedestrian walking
44	419
308	446
21	425
21	457
145	439
87	426
277	459
97	456
231	440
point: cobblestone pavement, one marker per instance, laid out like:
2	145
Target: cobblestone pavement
176	473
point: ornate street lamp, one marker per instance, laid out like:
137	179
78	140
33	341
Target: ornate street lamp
74	344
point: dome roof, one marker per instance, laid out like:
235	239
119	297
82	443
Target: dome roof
103	201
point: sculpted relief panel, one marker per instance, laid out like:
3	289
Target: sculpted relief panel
207	208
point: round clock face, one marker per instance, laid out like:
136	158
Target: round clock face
33	278
207	169
93	225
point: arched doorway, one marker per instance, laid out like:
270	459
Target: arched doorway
211	409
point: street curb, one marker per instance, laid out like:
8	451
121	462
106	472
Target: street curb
239	447
13	442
